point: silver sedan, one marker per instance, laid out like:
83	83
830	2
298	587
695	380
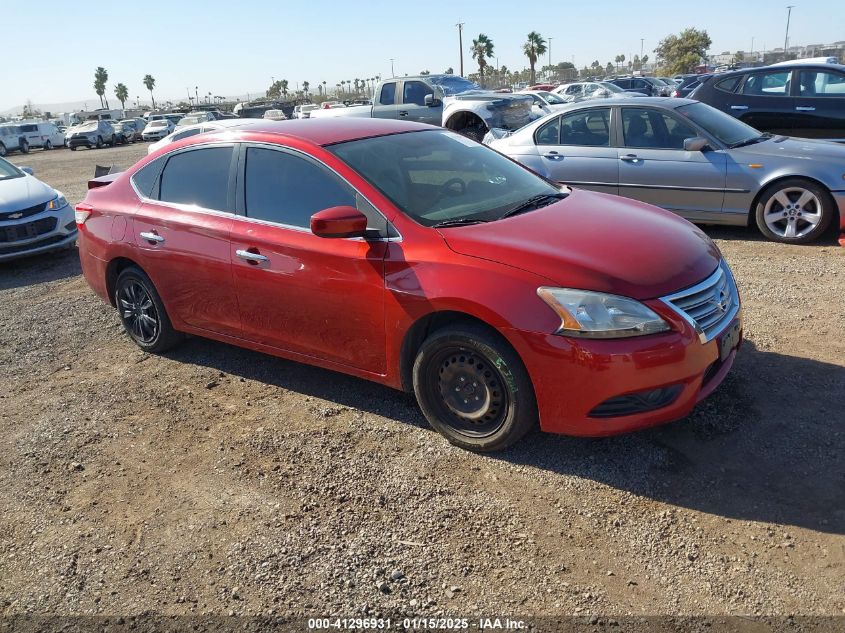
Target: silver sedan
692	159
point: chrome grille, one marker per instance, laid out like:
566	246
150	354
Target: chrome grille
710	305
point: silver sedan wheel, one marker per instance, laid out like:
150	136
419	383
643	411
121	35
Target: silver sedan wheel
793	212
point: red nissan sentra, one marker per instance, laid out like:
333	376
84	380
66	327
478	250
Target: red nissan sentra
414	257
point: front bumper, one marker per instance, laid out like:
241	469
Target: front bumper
839	198
47	231
154	136
573	377
81	141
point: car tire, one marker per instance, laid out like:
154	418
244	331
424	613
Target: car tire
72	148
113	141
99	142
3	150
794	211
473	388
142	312
24	147
48	145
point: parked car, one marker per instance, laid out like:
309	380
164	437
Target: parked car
92	134
275	115
447	100
138	124
581	91
691	159
544	102
12	140
44	134
687	84
199	128
649	86
157	129
193	119
542	87
409	256
806	100
34	217
123	132
174	117
304	111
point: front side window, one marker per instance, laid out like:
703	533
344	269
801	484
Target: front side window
646	128
586	127
198	177
819	83
287	189
388	94
774	84
438	176
414	92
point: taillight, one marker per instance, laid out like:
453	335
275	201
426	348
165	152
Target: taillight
82	212
675	94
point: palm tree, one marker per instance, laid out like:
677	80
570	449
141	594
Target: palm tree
343	85
101	76
150	83
283	86
533	48
324	88
122	94
320	89
481	48
305	87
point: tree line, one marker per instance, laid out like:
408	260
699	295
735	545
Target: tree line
101	77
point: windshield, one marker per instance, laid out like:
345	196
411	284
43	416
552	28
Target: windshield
158	123
191	120
611	87
550	97
9	171
452	85
723	127
439	176
87	127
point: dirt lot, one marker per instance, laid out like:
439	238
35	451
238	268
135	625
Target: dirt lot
216	480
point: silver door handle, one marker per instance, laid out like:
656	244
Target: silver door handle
630	158
552	155
152	237
252	257
805	109
739	107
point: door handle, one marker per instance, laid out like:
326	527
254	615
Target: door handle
630	158
739	107
805	109
403	113
252	258
552	155
152	236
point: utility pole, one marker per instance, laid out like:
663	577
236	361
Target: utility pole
460	26
786	37
642	39
392	74
550	52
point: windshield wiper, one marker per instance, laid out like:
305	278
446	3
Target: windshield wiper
751	141
457	222
533	202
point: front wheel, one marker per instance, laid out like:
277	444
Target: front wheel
142	312
99	142
3	150
24	147
794	211
48	145
473	388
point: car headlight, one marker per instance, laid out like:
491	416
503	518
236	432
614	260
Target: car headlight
598	315
56	203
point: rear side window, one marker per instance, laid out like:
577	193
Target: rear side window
388	94
773	84
729	84
198	177
287	189
819	83
549	134
146	178
29	128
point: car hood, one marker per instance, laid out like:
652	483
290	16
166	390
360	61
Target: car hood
598	242
790	147
22	193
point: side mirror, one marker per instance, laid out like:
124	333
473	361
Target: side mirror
695	144
28	170
339	222
431	101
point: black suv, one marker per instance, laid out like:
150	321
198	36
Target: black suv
688	84
646	85
805	100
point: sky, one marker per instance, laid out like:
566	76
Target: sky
234	48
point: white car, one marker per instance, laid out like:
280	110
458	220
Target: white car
157	129
544	102
42	134
193	119
34	217
584	90
199	128
304	111
275	115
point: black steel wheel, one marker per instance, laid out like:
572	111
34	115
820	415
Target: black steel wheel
142	312
473	388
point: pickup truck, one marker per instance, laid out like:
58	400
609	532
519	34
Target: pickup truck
447	100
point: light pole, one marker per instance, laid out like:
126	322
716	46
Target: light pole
392	74
460	26
786	37
550	53
642	39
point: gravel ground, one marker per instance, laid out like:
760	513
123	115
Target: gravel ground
216	480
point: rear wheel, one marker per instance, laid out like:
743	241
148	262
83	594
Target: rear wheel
142	312
473	388
48	145
794	211
24	147
3	150
99	142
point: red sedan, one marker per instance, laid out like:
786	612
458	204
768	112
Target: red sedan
414	257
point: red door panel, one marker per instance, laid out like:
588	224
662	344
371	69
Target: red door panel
311	295
186	254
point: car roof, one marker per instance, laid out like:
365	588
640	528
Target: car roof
665	102
780	68
330	131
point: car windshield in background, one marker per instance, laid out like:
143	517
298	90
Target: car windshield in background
452	85
723	127
158	123
611	87
191	120
87	127
9	171
442	178
550	97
